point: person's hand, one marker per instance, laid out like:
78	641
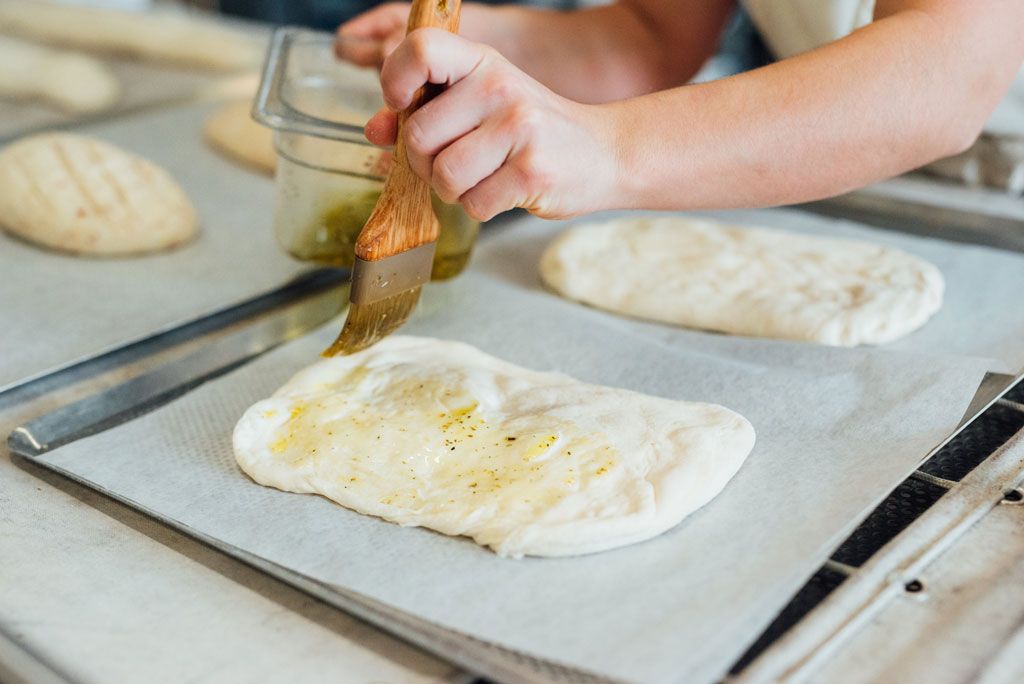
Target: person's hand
368	38
496	138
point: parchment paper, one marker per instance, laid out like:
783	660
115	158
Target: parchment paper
56	309
836	428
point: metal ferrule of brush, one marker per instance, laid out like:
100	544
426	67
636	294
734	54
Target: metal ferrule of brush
373	281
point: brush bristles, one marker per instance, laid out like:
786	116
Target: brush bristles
367	324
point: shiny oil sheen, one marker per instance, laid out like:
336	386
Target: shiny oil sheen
420	444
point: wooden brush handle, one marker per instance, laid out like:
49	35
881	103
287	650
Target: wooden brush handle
403	218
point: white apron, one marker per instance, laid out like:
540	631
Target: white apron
789	27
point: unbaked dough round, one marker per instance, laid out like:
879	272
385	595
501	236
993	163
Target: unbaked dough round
742	280
79	194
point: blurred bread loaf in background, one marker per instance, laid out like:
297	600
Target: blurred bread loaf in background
184	38
78	194
73	82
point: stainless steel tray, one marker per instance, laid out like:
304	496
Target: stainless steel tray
147	393
933	208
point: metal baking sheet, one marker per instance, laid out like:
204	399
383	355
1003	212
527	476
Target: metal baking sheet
58	309
934	208
837	428
942	194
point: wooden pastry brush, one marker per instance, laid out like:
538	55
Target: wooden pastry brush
395	249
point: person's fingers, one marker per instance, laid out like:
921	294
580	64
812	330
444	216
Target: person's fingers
427	55
365	52
382	128
499	192
377	23
370	37
361	52
441	121
389	44
469	160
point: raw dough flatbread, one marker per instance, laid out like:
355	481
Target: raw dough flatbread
78	194
184	38
759	282
73	82
231	131
437	434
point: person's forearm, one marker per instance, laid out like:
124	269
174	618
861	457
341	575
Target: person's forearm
604	53
884	100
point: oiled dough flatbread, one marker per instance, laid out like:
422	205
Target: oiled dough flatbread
705	274
232	131
185	38
71	81
78	194
438	434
